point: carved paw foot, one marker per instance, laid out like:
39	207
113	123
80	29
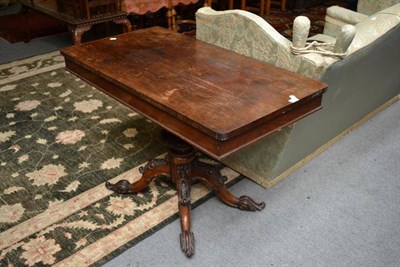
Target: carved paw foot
187	243
247	203
121	187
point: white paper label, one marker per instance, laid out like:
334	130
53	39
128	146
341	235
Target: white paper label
293	99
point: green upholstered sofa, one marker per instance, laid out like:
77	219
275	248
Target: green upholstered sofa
359	84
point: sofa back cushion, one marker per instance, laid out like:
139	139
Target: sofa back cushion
375	26
369	7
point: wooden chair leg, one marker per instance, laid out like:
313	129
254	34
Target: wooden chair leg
283	5
230	4
262	8
267	7
243	4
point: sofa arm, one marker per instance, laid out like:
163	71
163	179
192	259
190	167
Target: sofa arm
337	16
241	32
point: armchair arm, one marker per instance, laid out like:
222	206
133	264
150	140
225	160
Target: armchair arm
345	15
337	16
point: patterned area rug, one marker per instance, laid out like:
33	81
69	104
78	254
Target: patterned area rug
60	141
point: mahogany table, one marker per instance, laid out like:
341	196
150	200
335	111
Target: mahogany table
205	97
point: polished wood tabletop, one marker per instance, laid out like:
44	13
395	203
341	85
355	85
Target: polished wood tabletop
217	100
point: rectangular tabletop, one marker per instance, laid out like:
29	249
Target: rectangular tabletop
215	99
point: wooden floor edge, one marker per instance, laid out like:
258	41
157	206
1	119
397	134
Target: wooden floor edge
330	143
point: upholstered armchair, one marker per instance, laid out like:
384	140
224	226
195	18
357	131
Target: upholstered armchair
360	67
337	16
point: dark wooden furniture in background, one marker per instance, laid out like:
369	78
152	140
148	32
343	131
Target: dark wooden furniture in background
86	9
264	8
205	97
81	15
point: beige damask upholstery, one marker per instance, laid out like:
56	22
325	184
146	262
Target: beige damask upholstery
365	78
337	16
250	35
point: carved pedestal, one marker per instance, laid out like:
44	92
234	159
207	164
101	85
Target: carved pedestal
182	166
